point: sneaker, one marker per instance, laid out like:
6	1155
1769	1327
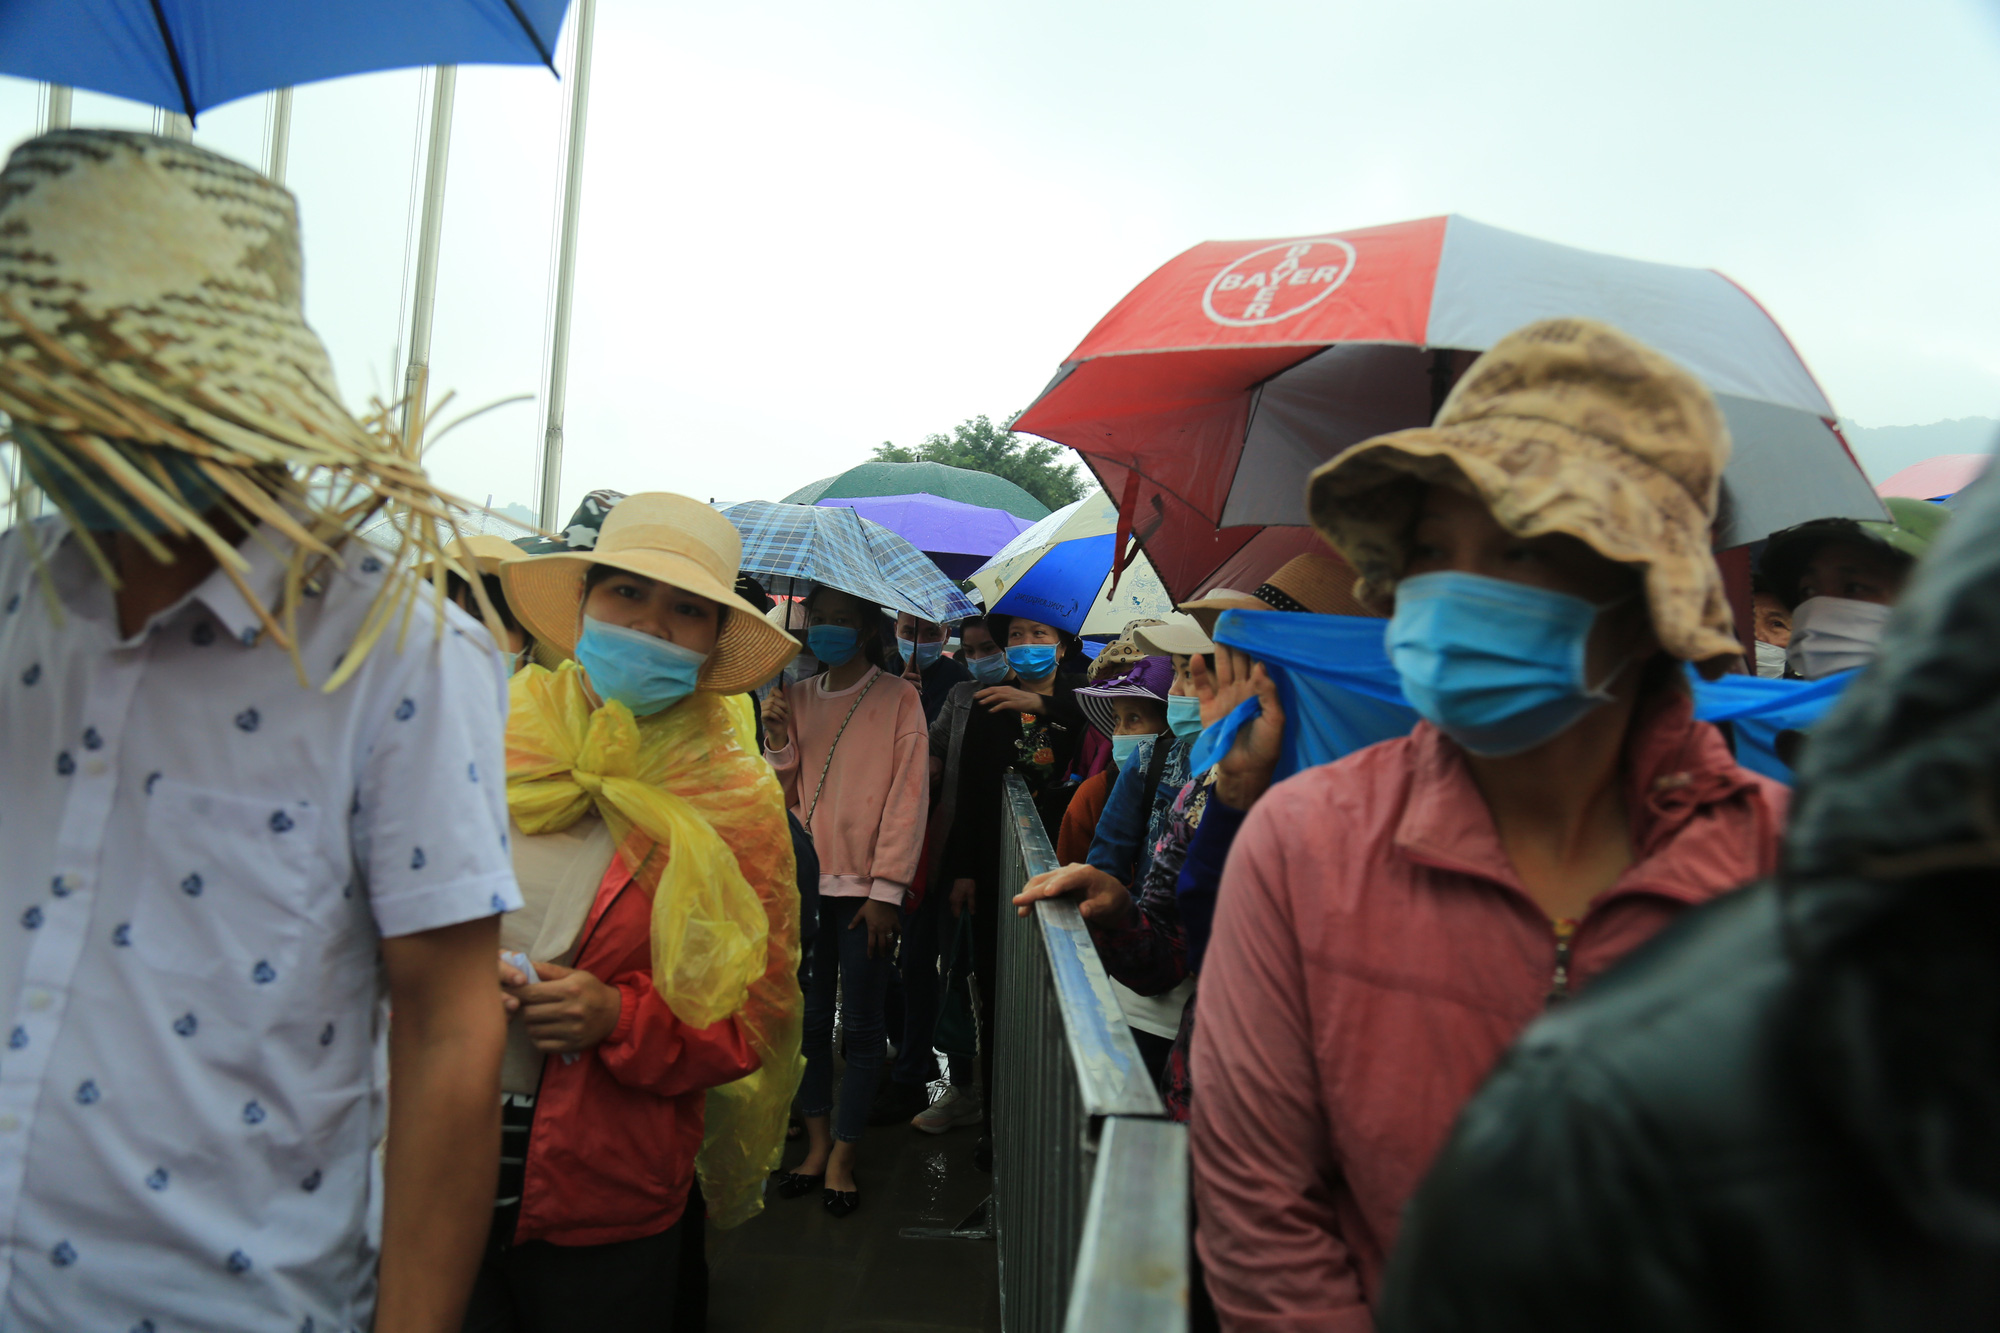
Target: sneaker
958	1106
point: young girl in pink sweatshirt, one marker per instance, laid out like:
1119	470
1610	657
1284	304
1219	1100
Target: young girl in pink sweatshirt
853	755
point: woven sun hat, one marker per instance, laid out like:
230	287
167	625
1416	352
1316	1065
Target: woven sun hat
156	365
480	554
1149	678
1318	583
1911	528
669	539
1569	426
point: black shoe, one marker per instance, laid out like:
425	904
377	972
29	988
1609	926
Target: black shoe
982	1153
896	1102
840	1202
792	1185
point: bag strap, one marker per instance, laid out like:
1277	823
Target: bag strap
1154	769
824	768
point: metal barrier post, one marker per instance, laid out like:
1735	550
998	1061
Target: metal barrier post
1070	1091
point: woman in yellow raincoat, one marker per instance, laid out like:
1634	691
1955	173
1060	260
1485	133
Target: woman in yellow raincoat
655	1016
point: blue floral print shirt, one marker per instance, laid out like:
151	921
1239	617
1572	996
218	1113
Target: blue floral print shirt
199	858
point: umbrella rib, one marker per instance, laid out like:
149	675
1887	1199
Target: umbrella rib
174	58
514	8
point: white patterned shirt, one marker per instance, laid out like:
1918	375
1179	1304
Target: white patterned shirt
198	860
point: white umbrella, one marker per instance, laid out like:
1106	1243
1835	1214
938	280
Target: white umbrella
1059	572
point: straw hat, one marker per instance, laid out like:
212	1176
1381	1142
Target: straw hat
1569	426
670	539
1313	582
480	554
155	361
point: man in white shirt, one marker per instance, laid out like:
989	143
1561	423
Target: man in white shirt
216	880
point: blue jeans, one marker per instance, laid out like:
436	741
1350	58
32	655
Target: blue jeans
924	934
841	955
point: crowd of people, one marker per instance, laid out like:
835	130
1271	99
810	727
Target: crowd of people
622	873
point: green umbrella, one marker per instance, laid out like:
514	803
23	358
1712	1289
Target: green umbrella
949	483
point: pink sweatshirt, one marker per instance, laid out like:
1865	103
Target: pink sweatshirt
869	826
1374	953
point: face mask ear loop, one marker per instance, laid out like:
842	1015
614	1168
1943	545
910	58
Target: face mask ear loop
1602	690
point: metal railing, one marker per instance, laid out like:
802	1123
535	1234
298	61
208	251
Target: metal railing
1090	1183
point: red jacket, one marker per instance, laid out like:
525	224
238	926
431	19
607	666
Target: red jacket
1373	955
612	1150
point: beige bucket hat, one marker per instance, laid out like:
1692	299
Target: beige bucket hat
1566	425
670	539
155	359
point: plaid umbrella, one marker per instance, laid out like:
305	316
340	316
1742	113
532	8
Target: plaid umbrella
839	549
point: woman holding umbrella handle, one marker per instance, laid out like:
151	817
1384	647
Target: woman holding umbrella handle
852	751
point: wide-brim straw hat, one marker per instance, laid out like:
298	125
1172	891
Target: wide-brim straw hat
1316	583
152	320
669	539
1564	426
479	555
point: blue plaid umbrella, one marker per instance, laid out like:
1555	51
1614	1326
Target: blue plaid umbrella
840	549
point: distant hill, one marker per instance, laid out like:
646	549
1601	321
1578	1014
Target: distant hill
1887	450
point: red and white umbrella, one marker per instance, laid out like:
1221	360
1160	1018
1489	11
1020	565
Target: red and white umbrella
1206	395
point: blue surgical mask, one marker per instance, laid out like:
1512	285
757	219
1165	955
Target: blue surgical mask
923	654
1032	661
991	669
1184	715
1495	665
186	481
833	644
1124	747
646	674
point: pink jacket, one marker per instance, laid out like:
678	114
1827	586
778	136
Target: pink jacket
1373	955
869	825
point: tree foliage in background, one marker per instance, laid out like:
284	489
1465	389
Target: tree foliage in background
1035	466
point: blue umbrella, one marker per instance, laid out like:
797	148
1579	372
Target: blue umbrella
840	549
190	55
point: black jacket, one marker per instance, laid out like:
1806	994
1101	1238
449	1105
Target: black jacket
986	753
1784	1112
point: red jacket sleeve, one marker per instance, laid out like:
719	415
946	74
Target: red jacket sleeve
1263	1164
654	1051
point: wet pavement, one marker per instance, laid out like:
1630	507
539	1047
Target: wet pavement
798	1269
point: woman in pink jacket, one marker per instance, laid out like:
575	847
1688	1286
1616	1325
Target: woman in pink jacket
853	752
1387	924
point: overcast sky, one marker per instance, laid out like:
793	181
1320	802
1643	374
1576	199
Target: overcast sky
810	228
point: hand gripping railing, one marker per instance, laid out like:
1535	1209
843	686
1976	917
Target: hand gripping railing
1090	1179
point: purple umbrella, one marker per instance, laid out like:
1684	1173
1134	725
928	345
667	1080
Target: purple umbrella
958	537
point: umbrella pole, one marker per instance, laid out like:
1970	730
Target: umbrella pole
281	136
558	395
23	500
416	378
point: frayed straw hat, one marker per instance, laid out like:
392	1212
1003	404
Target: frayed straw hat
669	539
1569	426
156	364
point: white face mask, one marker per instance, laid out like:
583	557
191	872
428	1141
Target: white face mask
1832	634
1770	660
